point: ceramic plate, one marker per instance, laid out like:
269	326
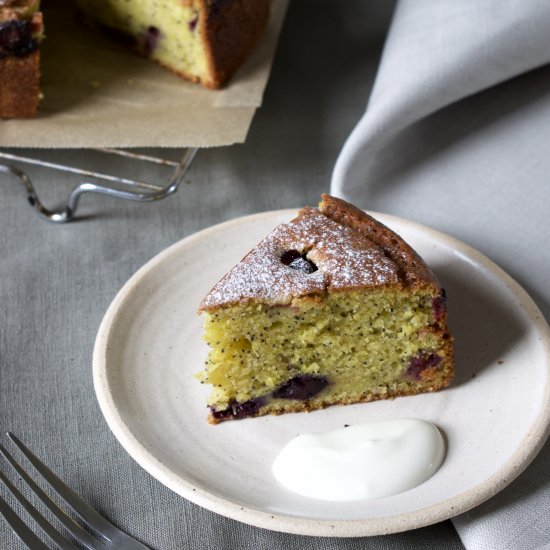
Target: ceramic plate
495	417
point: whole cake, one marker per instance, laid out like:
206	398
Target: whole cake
203	41
20	34
330	308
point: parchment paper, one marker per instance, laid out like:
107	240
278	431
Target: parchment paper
98	94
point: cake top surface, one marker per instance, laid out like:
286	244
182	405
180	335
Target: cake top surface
335	247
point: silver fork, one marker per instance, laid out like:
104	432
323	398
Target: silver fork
108	536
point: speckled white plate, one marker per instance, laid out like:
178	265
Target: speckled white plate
495	417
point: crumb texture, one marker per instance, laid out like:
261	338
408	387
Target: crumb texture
201	40
365	346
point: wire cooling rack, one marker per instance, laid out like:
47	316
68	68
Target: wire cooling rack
97	182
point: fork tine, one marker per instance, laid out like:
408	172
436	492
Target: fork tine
92	518
54	535
111	536
76	531
19	528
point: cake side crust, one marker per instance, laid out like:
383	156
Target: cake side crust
21	30
20	86
231	31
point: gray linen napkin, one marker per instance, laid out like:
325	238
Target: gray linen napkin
437	53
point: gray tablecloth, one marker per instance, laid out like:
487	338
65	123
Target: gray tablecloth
57	281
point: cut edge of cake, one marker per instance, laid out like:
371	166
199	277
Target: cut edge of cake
21	31
219	34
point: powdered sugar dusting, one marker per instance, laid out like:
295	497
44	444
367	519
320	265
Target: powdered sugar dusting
344	258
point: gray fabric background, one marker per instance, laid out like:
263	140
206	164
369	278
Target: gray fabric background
57	281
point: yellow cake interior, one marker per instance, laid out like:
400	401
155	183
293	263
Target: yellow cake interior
367	345
166	31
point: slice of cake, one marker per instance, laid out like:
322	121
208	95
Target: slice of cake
20	34
331	308
204	41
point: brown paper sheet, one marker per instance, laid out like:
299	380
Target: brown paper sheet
97	94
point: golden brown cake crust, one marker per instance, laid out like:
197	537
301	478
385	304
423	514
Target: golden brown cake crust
231	29
19	86
351	250
413	269
20	75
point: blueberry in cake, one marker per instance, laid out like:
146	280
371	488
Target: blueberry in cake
330	308
202	40
20	34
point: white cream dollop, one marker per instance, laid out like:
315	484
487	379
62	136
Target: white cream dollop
361	462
